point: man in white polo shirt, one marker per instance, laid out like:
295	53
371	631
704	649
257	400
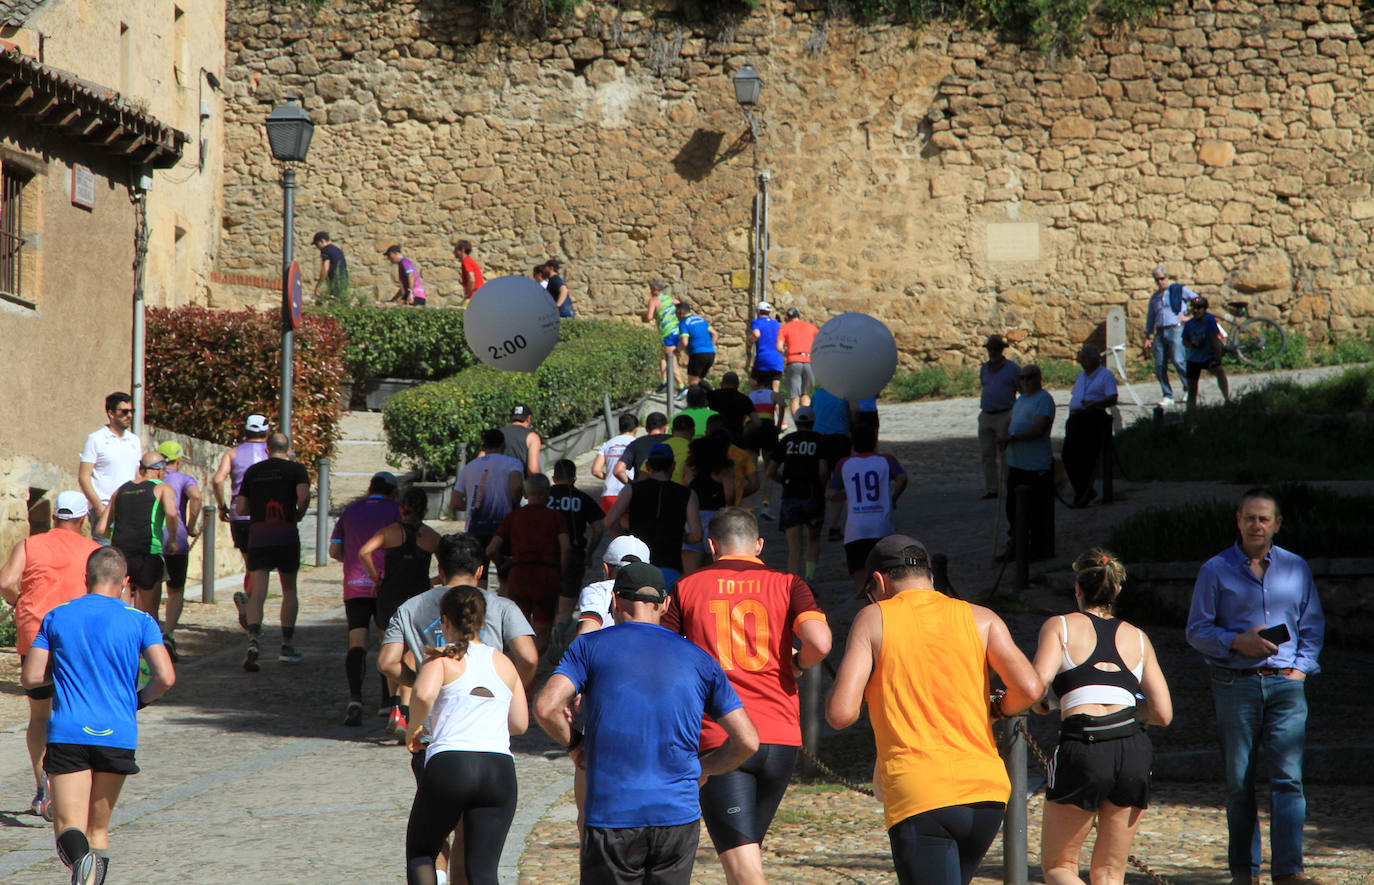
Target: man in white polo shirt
110	457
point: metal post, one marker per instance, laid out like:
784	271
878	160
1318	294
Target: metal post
809	695
1108	467
322	514
1021	537
140	201
611	428
288	223
668	407
763	235
209	521
1014	847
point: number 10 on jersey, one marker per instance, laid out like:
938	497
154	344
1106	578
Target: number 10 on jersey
732	640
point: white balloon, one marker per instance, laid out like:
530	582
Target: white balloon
854	356
511	324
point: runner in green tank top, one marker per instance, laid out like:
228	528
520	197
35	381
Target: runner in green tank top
661	310
134	522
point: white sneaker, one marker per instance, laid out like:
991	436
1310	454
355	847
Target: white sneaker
440	877
1167	402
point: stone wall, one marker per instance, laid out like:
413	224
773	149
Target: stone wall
950	185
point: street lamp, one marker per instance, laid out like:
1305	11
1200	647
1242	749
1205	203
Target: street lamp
747	89
289	130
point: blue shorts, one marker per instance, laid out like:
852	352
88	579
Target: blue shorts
672	340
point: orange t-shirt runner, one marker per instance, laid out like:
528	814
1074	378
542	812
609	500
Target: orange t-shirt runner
54	573
797	336
744	615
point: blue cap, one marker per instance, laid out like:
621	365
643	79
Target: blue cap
662	452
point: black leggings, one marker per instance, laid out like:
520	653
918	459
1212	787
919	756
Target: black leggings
739	805
480	788
944	846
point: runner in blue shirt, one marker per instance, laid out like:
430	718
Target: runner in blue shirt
700	340
644	690
89	649
767	357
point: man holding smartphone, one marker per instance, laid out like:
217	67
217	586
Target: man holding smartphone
1257	620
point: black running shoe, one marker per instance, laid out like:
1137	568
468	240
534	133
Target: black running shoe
250	659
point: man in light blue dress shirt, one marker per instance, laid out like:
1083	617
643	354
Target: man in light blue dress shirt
1258	682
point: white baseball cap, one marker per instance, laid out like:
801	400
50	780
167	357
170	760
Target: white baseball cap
623	546
256	424
71	505
765	307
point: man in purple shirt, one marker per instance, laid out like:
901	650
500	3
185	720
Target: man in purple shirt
359	521
186	493
1256	618
410	291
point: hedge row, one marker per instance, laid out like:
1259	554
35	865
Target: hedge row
208	369
592	358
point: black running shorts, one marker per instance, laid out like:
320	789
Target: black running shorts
360	611
145	570
739	805
1087	774
68	758
177	565
283	558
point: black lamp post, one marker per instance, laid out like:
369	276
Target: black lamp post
747	89
289	130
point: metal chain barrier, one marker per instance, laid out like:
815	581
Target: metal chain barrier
834	775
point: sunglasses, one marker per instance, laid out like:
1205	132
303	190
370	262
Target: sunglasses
124	411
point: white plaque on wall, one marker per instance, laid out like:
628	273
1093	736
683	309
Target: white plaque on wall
83	187
1013	241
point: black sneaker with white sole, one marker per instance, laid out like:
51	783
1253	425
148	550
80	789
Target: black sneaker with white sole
250	659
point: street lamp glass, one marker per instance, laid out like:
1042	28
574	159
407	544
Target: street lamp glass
289	130
747	86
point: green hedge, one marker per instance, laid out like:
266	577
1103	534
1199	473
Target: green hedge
592	358
207	369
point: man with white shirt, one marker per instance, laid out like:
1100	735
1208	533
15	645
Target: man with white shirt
1089	424
1164	318
596	604
110	457
603	466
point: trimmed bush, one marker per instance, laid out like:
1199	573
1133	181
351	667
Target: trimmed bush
421	345
592	358
208	369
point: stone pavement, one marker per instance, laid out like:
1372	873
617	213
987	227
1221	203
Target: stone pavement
254	777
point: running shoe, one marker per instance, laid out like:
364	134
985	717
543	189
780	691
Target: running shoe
39	798
84	870
171	646
290	655
250	660
241	603
354	716
45	808
396	723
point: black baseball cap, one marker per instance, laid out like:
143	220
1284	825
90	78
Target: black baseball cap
896	551
641	582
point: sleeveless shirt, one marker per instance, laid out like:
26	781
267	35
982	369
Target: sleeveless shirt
138	517
470	713
1084	683
54	573
245	455
406	572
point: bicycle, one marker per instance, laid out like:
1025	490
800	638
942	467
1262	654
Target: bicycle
1256	341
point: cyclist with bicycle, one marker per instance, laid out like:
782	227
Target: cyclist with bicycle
1202	341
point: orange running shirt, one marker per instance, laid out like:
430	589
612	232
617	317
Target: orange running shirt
54	573
797	336
744	615
928	702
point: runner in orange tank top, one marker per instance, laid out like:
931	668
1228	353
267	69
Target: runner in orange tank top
745	615
42	572
943	786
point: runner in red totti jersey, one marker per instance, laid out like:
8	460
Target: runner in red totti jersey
746	616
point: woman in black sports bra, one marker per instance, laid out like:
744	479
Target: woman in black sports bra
1107	685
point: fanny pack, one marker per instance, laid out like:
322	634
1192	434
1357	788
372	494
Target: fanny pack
1093	729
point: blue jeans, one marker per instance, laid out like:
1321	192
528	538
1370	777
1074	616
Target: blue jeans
1168	348
1257	712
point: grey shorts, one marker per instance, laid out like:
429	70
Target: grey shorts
799	380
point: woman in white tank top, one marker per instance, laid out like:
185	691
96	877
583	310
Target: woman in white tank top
469	699
1109	685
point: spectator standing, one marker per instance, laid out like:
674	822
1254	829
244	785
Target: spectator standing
637	452
661	311
110	457
870	483
1101	771
186	494
643	816
1163	333
558	290
764	332
999	377
333	267
135	521
1030	463
89	650
468	700
755	648
42	572
488	487
797	462
411	290
359	521
603	465
1089	424
1259	681
794	342
232	466
1202	337
580	512
539	548
658	508
522	442
699	340
698	409
732	405
943	786
274	496
470	270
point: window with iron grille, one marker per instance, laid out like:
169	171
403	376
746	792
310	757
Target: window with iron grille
12	183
